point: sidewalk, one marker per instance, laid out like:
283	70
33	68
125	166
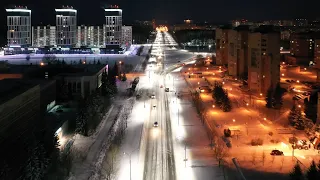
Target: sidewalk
189	132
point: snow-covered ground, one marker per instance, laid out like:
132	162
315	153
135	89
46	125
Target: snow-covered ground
128	57
190	136
250	119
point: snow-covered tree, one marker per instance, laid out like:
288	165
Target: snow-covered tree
313	173
294	115
220	150
296	173
269	98
226	103
36	164
81	122
277	96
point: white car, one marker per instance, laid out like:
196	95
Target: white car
153	96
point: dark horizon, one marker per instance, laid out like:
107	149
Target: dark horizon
203	10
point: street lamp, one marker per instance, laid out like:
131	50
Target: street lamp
129	162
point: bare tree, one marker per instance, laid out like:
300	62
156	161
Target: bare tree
49	58
111	163
263	157
272	159
282	160
220	150
253	156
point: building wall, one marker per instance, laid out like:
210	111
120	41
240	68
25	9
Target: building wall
126	35
263	61
19	115
113	26
222	46
10	76
82	86
317	53
232	52
19	27
66	27
302	44
91	36
43	36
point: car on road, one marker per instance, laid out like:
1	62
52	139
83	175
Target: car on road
138	96
153	96
155	124
154	106
166	90
276	153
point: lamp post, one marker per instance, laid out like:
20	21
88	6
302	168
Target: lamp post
129	162
178	117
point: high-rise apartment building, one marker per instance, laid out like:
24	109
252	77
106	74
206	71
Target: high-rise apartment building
93	36
238	51
19	27
126	35
317	52
66	27
43	36
222	45
302	44
263	59
113	26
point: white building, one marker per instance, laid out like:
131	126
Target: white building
43	36
93	36
126	35
19	27
66	27
113	26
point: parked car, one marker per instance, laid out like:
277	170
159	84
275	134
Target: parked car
276	153
153	96
166	90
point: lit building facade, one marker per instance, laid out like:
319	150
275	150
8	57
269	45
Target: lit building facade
43	36
66	27
113	26
302	44
93	36
263	61
19	27
238	51
126	35
222	46
317	52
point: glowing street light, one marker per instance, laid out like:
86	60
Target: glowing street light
222	82
247	104
265	119
282	74
213	106
233	120
260	94
213	73
299	106
298	81
198	82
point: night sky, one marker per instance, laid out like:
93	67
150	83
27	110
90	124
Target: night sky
90	11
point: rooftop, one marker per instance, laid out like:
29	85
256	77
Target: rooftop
10	88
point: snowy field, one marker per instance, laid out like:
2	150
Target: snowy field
128	57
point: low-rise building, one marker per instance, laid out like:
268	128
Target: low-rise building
84	82
19	108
